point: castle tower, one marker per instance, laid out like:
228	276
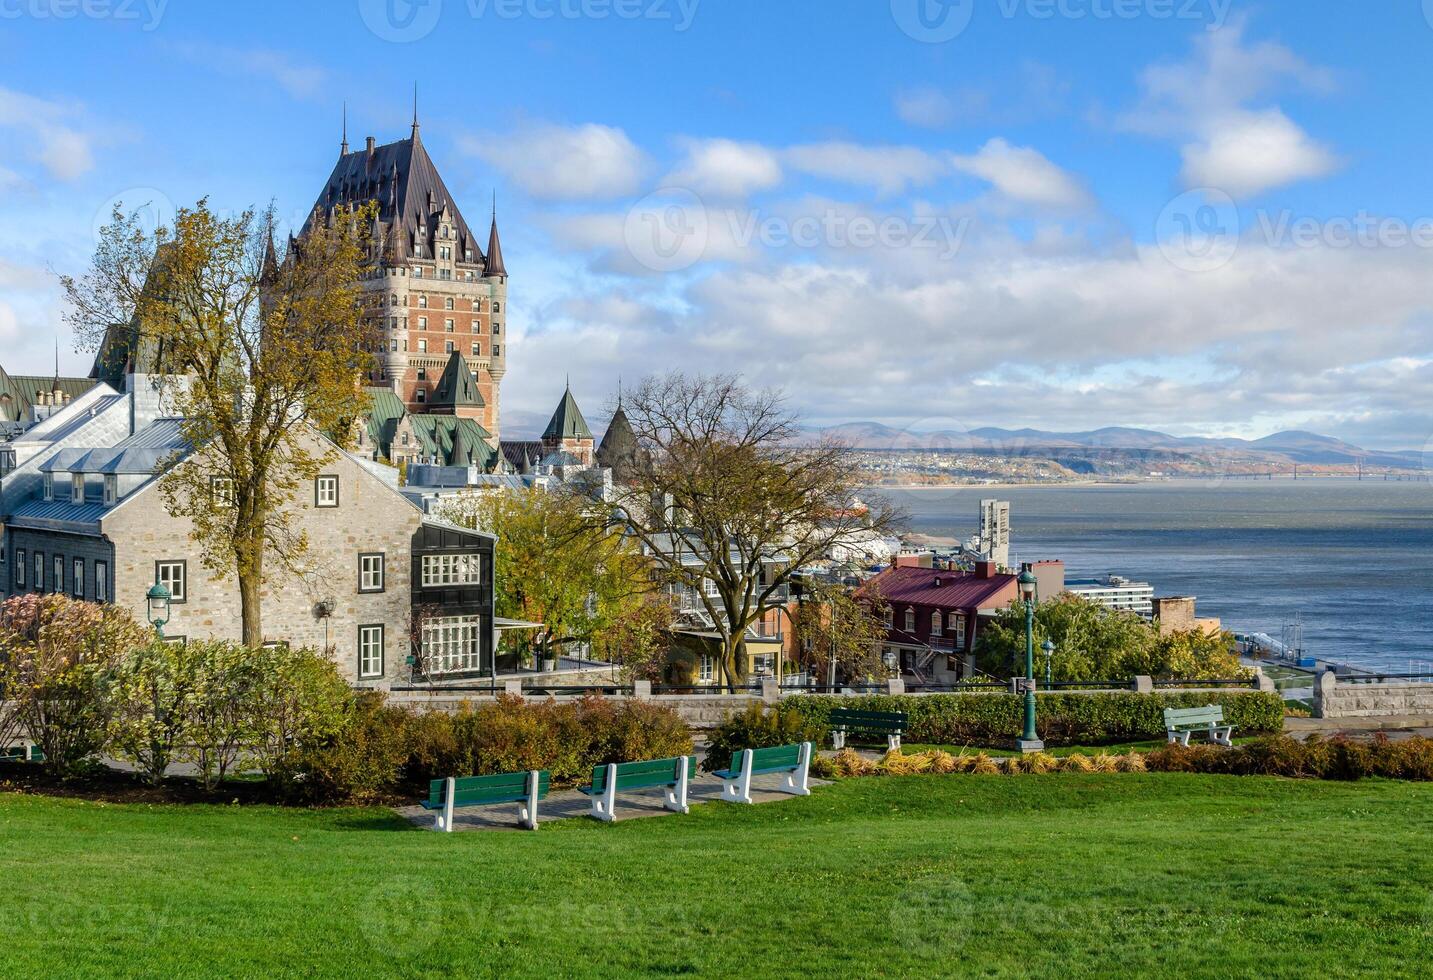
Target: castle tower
567	431
433	292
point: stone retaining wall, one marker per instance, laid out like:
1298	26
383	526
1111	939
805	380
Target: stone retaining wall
1341	699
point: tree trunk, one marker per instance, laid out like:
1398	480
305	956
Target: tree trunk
251	582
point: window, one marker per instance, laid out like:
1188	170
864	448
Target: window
497	327
77	488
706	668
422	323
423	346
393	345
171	575
422	396
910	620
418	269
77	578
477	350
423	372
57	576
448	303
497	349
889	617
221	491
452	570
447	347
111	488
937	623
450	643
370	651
101	581
957	630
19	568
477	327
422	302
325	490
370	572
497	307
762	663
39	583
448	326
49	486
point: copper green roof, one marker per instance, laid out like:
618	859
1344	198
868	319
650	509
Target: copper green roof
457	388
567	422
22	388
454	441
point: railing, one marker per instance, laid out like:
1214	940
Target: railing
577	689
1424	676
957	687
1089	685
1210	682
706	688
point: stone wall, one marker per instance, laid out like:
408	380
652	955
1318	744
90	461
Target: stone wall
1334	698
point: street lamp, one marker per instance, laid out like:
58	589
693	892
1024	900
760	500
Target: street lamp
1049	648
1030	741
158	597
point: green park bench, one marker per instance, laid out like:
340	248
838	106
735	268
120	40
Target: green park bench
525	788
793	760
849	721
1180	723
672	775
22	753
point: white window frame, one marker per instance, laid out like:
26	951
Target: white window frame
937	624
370	651
101	581
706	668
763	663
111	488
910	619
77	578
321	485
77	488
452	569
372	575
20	570
452	643
176	582
221	491
57	572
49	486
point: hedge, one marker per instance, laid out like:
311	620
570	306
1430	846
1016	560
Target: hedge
1061	718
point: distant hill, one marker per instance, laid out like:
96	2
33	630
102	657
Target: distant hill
1293	446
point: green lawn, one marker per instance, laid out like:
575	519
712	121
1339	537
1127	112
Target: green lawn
917	876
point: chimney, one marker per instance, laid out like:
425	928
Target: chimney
985	569
368	145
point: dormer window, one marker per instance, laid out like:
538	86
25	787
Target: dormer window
111	488
49	486
77	488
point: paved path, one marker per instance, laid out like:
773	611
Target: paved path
568	804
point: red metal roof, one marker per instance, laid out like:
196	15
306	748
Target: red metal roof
957	590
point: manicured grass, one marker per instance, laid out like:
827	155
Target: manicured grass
1068	875
1115	748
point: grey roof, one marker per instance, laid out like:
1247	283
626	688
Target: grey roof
144	452
58	515
567	422
495	265
450	526
164	433
457	388
619	443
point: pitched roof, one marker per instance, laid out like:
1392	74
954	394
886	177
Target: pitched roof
457	387
22	388
567	422
619	443
957	590
455	441
521	454
495	265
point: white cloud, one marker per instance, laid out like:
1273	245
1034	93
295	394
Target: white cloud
586	162
1250	152
1022	174
299	79
1206	103
928	107
725	168
47	133
889	169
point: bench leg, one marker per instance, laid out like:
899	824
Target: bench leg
527	811
893	743
1180	737
838	740
1222	735
603	805
738	790
677	795
795	781
444	819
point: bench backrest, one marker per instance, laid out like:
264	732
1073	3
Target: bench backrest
775	757
885	722
641	775
1210	714
508	787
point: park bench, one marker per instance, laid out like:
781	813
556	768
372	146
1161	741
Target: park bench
671	775
525	788
793	760
1180	723
25	752
849	721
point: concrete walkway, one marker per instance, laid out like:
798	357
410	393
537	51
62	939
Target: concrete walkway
568	804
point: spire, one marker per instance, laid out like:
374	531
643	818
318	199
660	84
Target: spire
567	422
343	147
495	265
415	112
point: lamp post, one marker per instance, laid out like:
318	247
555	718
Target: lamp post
158	597
1049	648
1029	741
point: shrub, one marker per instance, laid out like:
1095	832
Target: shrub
221	715
760	727
360	762
1063	718
59	654
152	686
300	702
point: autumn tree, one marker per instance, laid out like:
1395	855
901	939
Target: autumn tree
558	562
272	347
728	501
831	625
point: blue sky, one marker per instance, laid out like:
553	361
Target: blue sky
1205	216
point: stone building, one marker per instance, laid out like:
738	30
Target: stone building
434	290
